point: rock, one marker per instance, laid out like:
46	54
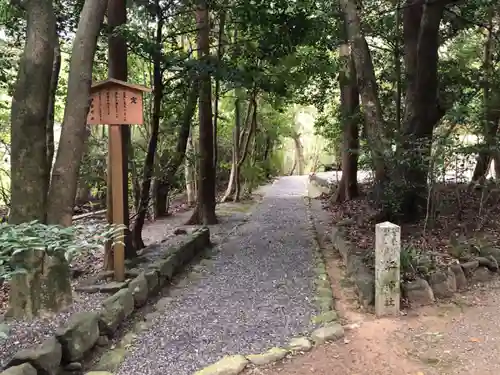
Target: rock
301	344
125	298
102	340
139	289
418	292
364	280
76	272
202	238
110	318
24	369
152	279
481	275
326	317
78	336
330	332
166	267
178	231
4	331
271	356
44	287
229	365
443	284
111	287
489	262
460	279
98	373
163	303
345	222
490	251
469	268
73	367
324	303
186	251
45	358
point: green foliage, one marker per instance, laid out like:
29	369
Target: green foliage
414	263
54	240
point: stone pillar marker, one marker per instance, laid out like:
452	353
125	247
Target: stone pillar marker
387	269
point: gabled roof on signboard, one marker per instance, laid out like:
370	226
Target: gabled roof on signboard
112	81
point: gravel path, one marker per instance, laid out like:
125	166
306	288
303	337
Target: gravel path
256	292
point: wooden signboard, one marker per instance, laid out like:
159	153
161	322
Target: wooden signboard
115	103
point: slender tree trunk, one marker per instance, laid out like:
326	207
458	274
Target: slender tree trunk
220	52
349	102
397	64
490	107
69	154
29	115
236	145
204	212
368	88
189	168
174	162
299	153
54	80
246	143
137	241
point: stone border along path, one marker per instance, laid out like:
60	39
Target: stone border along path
256	295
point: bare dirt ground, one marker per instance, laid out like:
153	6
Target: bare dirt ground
456	337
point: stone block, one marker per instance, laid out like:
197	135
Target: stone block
45	358
301	344
166	267
387	269
270	356
443	284
482	275
78	336
43	286
469	268
418	292
110	317
153	282
139	289
229	365
489	262
460	279
24	369
330	332
125	298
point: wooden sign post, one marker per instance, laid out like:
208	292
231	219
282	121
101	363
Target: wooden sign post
116	103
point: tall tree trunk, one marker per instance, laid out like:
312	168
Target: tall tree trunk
368	89
174	161
118	69
491	109
349	102
220	51
422	112
137	241
204	212
54	81
29	115
69	154
246	143
236	145
397	64
189	168
299	153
